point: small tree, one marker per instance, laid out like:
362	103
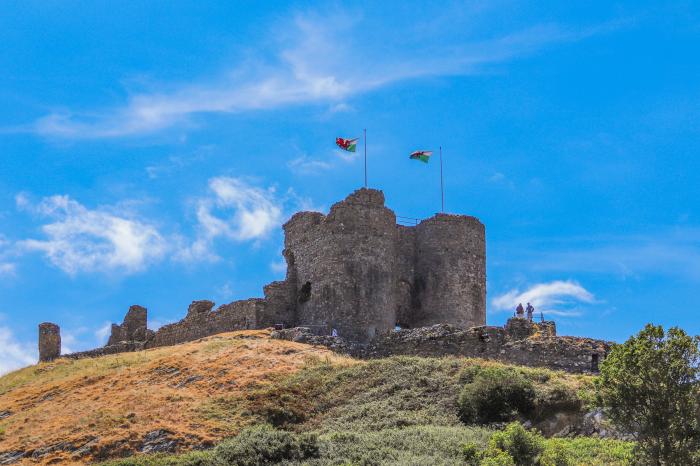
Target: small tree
649	387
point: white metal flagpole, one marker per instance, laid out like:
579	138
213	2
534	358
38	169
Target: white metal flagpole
365	130
442	188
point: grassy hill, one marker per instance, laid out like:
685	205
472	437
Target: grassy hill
399	410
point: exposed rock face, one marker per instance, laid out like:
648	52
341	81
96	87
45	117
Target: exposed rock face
49	341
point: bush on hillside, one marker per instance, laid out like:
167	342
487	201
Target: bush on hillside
495	394
555	455
499	458
522	445
266	445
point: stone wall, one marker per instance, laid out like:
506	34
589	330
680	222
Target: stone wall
519	328
201	321
133	328
571	354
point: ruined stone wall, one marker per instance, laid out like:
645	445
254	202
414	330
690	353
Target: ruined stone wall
279	306
201	321
450	271
519	328
571	354
134	327
344	267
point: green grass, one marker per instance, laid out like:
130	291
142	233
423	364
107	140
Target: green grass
396	411
394	392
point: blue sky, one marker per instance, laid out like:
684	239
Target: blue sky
149	153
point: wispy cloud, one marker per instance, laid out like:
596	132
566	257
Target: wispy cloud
7	267
279	267
13	353
102	334
235	210
556	298
79	239
305	165
314	60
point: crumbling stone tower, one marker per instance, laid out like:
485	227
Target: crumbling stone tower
49	341
357	271
342	266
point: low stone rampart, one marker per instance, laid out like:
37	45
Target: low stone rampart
201	321
571	354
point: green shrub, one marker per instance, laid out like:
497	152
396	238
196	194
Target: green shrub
496	394
472	454
524	446
497	458
263	445
555	455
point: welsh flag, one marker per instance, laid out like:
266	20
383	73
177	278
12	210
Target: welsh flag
347	144
422	155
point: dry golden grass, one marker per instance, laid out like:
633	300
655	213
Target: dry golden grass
115	400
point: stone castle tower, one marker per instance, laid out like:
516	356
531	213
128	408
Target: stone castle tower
355	270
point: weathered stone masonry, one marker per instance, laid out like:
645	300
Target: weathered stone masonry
357	272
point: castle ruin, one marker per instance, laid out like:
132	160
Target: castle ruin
358	275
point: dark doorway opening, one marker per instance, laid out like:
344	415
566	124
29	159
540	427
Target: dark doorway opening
595	358
305	292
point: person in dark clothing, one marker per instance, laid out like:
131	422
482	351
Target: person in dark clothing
530	311
519	311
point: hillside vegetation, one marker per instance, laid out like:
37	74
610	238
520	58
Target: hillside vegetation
314	406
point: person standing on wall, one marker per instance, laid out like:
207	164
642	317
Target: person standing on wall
530	311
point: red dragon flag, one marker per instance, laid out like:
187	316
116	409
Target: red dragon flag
422	155
349	145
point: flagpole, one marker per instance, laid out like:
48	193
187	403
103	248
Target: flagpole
442	189
365	130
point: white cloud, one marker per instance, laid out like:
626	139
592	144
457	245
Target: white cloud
84	240
304	165
102	334
234	210
548	298
316	59
15	354
279	267
7	268
225	291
